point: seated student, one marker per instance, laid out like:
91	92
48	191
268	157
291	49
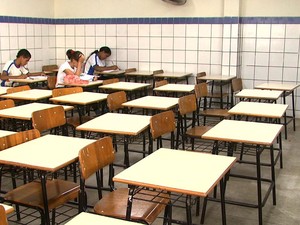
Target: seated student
73	66
17	69
96	61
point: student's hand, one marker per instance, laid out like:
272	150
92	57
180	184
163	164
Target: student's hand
23	76
115	67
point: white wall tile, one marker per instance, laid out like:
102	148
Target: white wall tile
155	42
144	42
216	30
292	45
121	30
216	44
90	30
275	73
227	30
38	42
155	30
70	42
45	30
133	43
167	43
52	30
179	30
205	30
179	57
261	73
225	59
290	59
226	44
37	30
263	45
22	42
249	44
167	56
248	58
79	30
133	30
191	56
277	45
276	59
179	43
290	74
30	42
235	30
167	30
122	54
5	56
79	42
111	42
133	55
214	70
100	41
60	42
277	30
262	59
204	57
29	29
155	55
122	42
90	42
5	43
179	67
143	65
293	30
144	55
100	30
248	30
4	29
168	67
13	30
247	72
144	30
21	29
216	58
263	30
154	66
191	43
14	43
192	30
204	44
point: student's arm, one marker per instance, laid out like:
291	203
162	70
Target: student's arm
103	68
4	76
36	74
80	65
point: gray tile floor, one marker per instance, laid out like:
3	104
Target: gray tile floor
285	212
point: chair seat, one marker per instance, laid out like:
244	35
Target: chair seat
74	120
217	95
197	131
30	194
114	204
216	112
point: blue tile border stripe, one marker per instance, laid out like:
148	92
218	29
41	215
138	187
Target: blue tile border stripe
159	20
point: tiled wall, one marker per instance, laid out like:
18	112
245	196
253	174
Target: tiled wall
257	49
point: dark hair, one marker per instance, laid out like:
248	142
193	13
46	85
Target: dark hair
23	52
105	49
71	54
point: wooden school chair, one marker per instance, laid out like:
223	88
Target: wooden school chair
162	124
129	70
236	87
201	93
3	219
92	159
159	84
5	104
50	70
186	122
72	120
115	101
17	89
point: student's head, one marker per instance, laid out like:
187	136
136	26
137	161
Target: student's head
104	52
23	56
74	56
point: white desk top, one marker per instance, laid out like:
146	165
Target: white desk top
267	110
176	88
30	80
8	209
216	77
244	132
152	102
173	75
111	72
140	73
277	86
259	94
30	95
81	98
48	153
117	123
186	172
4	133
89	84
24	112
125	86
94	219
3	90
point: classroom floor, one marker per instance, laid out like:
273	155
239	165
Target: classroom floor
286	212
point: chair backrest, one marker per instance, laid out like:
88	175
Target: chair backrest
187	104
17	89
51	81
115	100
201	74
18	138
162	123
158	71
236	84
96	156
201	90
66	91
49	67
129	70
8	103
110	81
47	119
3	218
160	83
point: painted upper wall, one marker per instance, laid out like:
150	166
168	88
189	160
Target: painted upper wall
265	8
136	8
27	8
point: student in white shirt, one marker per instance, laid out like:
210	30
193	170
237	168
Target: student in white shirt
17	69
96	61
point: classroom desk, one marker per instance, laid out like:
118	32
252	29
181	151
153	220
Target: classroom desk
174	76
95	219
126	86
4	133
259	134
223	81
118	124
31	81
29	95
287	90
24	112
176	88
88	85
183	172
80	100
156	103
256	94
3	90
144	75
44	154
8	209
111	73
